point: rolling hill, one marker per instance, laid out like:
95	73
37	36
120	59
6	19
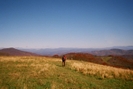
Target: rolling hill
111	60
84	57
15	52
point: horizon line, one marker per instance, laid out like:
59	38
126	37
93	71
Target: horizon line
67	47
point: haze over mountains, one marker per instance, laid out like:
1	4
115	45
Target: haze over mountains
118	50
112	52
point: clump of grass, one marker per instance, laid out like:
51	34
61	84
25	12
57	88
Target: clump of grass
102	71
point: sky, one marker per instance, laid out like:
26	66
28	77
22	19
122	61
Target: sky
66	23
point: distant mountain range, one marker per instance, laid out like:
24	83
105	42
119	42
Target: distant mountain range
112	52
59	51
117	50
122	47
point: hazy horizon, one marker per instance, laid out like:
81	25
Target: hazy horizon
66	23
111	47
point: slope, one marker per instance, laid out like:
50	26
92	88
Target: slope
48	73
115	61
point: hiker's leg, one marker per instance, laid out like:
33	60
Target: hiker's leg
64	63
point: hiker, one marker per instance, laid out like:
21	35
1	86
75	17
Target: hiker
63	60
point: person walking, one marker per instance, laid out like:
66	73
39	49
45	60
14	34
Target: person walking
63	60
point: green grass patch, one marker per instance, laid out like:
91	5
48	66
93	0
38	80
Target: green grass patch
105	59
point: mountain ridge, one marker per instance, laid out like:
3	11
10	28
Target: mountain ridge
15	52
61	51
112	52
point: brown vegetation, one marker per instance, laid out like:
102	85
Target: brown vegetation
119	61
102	71
4	54
84	57
115	61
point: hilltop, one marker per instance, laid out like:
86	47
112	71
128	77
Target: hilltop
15	52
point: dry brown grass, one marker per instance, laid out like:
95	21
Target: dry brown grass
41	64
37	64
102	71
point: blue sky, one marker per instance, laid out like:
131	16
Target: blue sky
66	23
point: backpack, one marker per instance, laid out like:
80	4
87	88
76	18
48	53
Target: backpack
64	58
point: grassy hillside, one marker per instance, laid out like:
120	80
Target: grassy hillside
111	60
48	73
